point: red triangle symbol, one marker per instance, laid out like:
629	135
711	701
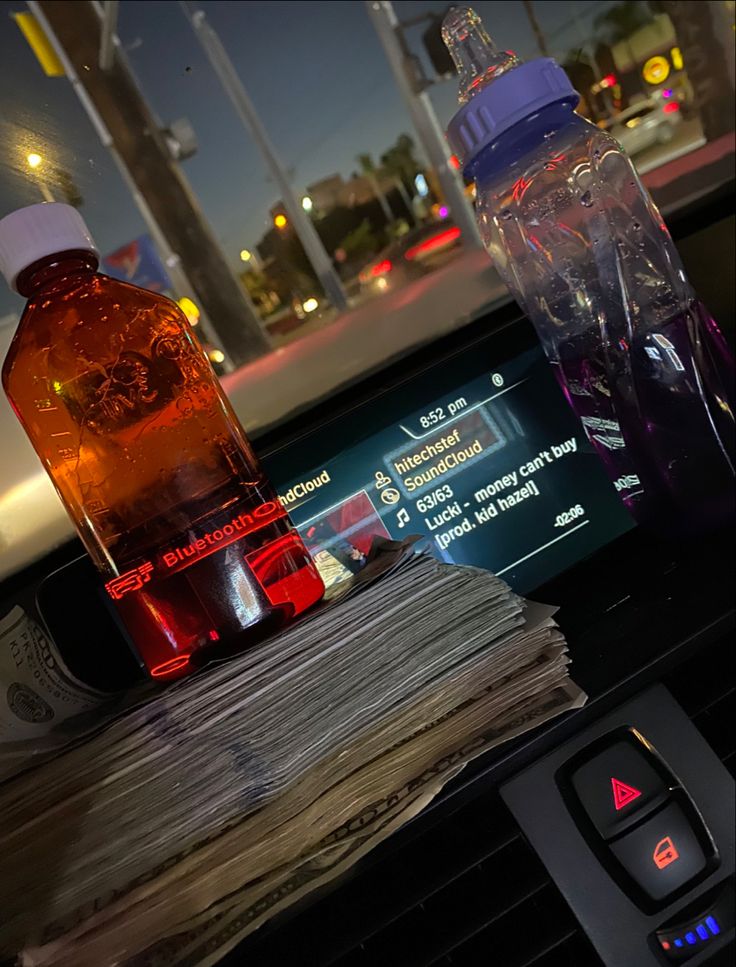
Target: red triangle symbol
623	794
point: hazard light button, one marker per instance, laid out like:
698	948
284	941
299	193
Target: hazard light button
618	786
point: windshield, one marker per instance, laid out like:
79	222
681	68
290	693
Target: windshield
255	160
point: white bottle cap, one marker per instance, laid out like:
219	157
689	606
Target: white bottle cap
32	233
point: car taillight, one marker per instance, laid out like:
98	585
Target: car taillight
435	241
671	107
381	268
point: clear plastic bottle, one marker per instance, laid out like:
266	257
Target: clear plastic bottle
585	252
132	426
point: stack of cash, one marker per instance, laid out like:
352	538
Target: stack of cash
169	833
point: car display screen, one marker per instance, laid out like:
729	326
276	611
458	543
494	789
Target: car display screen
483	457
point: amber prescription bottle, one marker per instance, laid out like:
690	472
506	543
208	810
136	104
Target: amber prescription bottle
146	453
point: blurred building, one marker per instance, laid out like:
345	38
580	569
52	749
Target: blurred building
325	194
649	59
335	192
705	41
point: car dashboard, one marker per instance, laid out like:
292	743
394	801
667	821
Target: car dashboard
480	876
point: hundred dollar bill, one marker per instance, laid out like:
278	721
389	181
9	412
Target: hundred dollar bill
37	690
242	738
210	941
516	674
220	936
94	941
221	787
258	830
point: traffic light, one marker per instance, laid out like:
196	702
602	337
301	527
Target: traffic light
435	47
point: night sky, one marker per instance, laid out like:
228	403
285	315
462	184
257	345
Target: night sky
315	71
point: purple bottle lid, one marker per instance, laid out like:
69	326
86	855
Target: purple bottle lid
516	95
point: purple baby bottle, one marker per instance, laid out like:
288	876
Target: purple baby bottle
584	250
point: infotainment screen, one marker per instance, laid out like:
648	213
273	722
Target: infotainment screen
479	452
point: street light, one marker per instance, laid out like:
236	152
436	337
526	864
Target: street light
280	221
190	310
35	160
307	203
245	255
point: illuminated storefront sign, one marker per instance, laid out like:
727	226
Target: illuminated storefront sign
656	70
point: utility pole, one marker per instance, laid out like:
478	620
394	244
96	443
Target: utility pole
531	16
399	184
386	23
369	170
180	283
120	113
234	88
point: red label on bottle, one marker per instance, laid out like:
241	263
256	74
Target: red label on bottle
132	580
219	537
182	555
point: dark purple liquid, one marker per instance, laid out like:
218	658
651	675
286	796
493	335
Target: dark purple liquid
661	418
676	405
582	377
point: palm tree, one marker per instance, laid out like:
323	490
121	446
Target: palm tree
399	160
371	173
402	167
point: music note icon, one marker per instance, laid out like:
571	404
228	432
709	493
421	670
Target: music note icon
402	518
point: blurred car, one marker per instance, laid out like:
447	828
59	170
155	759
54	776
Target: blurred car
303	305
645	124
410	257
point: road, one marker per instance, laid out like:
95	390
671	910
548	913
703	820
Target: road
659	167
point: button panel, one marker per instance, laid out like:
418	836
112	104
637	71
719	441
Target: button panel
637	818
